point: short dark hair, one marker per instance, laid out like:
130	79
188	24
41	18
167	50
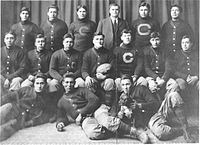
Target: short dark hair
187	36
69	75
97	34
126	76
25	9
113	4
179	7
53	6
82	6
154	35
68	35
40	35
126	31
142	4
41	75
10	32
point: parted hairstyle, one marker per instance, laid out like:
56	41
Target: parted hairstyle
126	76
97	34
155	35
10	32
142	4
68	35
126	31
41	75
179	7
82	6
53	6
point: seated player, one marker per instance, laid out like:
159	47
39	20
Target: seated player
97	70
84	107
38	61
141	102
13	64
26	107
65	60
172	104
128	60
157	65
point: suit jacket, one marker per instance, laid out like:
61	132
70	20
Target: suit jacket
112	39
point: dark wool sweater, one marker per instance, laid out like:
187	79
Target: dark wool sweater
128	60
39	62
31	105
94	58
13	62
83	31
172	33
54	32
65	61
156	64
186	64
80	101
142	28
143	95
25	34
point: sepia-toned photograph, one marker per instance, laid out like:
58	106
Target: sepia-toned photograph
99	72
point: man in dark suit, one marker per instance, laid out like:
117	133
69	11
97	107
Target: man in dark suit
112	27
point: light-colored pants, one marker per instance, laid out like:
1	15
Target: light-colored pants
14	84
158	122
140	81
97	127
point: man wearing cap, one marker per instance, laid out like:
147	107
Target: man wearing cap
65	60
54	29
84	107
174	29
28	106
13	64
25	31
112	27
38	60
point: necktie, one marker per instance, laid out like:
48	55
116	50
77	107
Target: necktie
115	25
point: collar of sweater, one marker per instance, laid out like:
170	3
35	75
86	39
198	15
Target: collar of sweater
24	22
53	21
146	18
126	46
82	20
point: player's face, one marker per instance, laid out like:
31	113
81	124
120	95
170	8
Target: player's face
175	12
24	15
40	43
81	13
126	85
98	41
39	85
114	11
143	11
9	40
68	43
126	38
68	84
155	42
186	44
52	14
152	86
